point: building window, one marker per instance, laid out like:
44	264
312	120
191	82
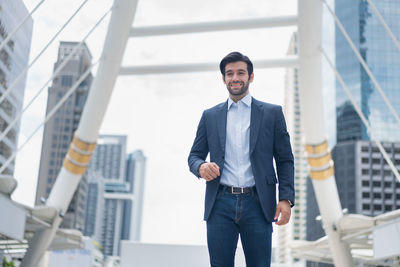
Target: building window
365	194
376	183
66	80
376	161
5	58
377	207
366	206
365	172
387	184
387	173
365	160
388	196
377	196
365	183
7	107
376	172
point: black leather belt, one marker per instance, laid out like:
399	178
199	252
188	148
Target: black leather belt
238	190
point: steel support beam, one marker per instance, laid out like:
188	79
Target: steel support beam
214	26
200	67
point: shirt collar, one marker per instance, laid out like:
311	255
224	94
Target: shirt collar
245	100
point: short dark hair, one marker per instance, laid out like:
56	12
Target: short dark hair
235	57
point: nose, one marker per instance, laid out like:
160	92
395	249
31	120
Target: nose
235	77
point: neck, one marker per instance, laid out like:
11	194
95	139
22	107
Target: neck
236	98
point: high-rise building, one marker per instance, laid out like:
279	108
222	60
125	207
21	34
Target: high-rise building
108	161
135	176
112	215
14	57
382	57
296	228
94	205
60	129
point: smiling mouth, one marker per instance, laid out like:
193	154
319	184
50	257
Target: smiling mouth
236	84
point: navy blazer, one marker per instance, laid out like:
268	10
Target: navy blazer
269	139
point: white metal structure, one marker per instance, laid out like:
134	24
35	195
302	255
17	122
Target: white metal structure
319	159
83	144
336	226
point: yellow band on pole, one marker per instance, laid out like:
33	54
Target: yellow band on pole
317	149
78	156
319	161
82	145
72	167
322	174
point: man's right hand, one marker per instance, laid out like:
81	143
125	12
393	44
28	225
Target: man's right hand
209	171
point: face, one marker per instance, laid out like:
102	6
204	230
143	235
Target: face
237	78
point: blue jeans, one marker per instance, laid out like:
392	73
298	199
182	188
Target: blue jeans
235	214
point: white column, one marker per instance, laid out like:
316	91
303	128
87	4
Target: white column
138	193
82	146
310	40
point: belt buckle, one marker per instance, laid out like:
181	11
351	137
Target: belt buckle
236	193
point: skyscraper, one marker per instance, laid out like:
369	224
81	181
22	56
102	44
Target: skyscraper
296	228
362	175
382	57
135	176
112	215
14	58
94	205
108	162
60	129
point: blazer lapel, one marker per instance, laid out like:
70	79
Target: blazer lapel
255	121
221	124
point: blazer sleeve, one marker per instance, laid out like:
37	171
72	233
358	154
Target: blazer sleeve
199	151
283	158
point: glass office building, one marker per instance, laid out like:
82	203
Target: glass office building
14	58
382	57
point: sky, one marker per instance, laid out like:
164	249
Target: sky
158	113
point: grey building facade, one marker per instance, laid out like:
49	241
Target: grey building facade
59	130
108	192
135	174
14	58
365	181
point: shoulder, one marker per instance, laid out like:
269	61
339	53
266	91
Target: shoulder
266	105
216	108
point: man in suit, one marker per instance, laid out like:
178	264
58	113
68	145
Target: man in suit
243	136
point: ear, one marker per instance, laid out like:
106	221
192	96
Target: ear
251	77
223	79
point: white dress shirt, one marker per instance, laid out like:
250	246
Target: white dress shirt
237	167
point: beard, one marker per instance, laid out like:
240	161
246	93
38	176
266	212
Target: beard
238	90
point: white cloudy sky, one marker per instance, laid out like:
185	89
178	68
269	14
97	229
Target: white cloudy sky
158	113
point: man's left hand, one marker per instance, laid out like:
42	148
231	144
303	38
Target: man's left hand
282	209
